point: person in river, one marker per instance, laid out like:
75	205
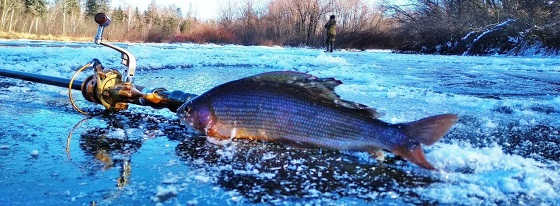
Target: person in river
330	26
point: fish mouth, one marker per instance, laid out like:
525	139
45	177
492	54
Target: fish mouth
198	116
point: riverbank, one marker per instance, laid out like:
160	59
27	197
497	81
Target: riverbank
17	35
510	38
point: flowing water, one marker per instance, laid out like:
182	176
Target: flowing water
504	149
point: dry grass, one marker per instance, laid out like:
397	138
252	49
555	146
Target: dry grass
207	33
14	35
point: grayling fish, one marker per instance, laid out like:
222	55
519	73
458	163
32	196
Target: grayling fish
301	108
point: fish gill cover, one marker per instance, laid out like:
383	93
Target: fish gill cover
504	149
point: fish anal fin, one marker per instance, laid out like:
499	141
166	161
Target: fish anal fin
415	156
429	130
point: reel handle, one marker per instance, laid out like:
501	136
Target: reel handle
102	19
127	58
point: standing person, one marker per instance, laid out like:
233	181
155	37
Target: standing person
331	33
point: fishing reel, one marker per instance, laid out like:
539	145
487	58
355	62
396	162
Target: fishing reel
115	91
108	87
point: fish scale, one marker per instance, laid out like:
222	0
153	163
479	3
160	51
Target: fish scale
285	116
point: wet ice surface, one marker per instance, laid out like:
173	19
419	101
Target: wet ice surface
504	149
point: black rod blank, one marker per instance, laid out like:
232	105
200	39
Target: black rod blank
43	79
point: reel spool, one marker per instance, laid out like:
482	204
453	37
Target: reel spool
104	87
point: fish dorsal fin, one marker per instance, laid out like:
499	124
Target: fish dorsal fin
314	88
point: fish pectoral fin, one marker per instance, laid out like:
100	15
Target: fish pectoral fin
218	140
378	154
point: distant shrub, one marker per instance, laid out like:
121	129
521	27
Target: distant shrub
366	39
155	36
205	33
268	43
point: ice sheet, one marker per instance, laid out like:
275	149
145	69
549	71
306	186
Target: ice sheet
504	149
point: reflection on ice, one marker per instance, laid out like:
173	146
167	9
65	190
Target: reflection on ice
268	172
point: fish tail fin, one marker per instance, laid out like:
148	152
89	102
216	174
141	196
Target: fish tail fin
429	130
426	131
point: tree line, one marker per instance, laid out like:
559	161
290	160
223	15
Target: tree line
248	22
409	25
300	22
74	18
62	17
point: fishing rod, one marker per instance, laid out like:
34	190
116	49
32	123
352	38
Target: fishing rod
109	87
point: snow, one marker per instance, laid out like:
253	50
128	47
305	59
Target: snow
201	178
165	193
468	35
495	177
35	153
503	150
493	29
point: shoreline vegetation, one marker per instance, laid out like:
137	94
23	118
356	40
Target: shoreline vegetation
477	27
27	36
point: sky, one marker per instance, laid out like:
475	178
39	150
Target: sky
203	9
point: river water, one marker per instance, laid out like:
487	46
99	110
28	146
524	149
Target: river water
504	149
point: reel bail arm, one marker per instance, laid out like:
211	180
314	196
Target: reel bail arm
127	58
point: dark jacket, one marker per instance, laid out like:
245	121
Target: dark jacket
331	27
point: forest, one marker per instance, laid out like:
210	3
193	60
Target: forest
474	27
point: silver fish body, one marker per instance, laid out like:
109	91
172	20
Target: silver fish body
303	109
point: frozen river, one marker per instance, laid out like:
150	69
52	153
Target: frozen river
505	149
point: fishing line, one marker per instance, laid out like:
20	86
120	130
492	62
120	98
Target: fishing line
69	138
70	90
